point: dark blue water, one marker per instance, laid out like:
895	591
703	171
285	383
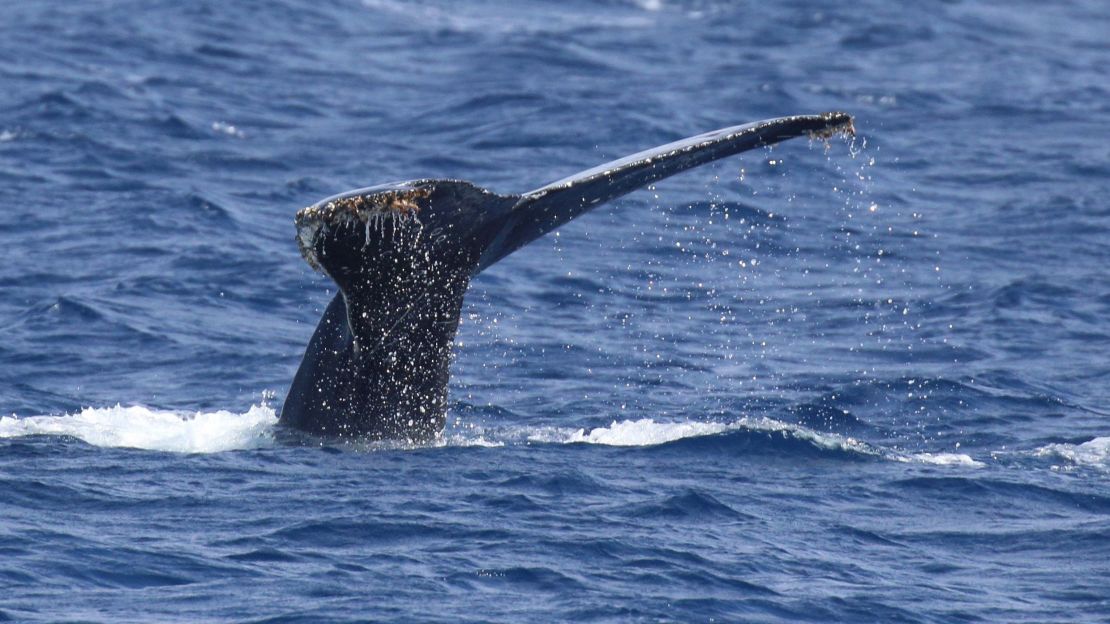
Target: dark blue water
862	382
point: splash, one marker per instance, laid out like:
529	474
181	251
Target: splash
156	430
140	427
1094	453
941	459
645	432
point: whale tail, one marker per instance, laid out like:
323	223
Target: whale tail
403	255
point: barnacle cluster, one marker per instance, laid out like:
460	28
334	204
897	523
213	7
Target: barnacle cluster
371	210
844	128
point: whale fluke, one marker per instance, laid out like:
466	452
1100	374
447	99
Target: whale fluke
403	255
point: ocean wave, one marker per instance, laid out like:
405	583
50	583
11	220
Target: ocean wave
1093	453
753	435
646	432
144	428
942	459
155	430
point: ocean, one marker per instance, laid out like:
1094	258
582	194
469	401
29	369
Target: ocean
861	380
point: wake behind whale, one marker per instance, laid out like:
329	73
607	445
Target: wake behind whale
403	255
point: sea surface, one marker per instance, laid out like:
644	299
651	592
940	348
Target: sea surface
865	380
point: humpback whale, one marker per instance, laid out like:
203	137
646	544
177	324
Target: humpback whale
403	254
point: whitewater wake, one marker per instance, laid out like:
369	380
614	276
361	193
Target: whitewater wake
647	432
1093	453
154	430
213	432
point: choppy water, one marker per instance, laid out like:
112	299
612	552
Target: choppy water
862	382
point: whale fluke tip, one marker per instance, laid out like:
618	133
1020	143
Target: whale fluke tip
836	124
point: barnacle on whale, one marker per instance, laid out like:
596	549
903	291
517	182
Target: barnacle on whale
370	210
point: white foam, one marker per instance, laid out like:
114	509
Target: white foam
457	439
830	441
212	432
944	459
644	432
157	430
1094	452
647	432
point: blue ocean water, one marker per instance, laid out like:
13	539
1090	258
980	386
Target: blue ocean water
865	381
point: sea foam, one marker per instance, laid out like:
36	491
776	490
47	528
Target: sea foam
1094	452
211	432
157	430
